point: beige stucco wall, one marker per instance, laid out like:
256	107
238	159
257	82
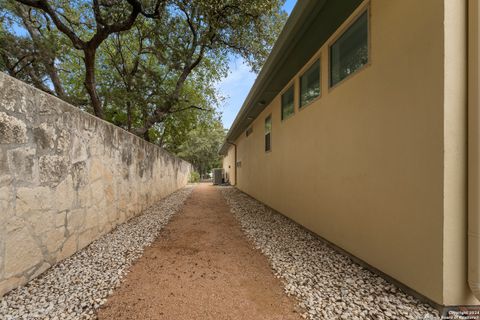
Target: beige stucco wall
376	164
66	178
229	165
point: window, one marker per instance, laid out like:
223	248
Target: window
310	84
350	52
249	131
287	103
268	133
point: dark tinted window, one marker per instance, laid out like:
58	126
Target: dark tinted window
350	52
268	133
287	103
310	84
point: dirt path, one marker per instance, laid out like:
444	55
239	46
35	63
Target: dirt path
201	267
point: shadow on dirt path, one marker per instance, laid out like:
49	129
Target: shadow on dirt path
201	267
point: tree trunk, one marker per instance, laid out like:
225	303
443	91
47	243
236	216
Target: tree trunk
129	116
57	84
90	83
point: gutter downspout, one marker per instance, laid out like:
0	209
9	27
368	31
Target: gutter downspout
235	164
473	148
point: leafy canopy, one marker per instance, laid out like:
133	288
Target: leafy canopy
148	66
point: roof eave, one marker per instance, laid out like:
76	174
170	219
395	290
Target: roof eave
309	26
283	43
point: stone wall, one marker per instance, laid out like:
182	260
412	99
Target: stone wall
66	178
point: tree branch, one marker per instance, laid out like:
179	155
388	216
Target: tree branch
187	108
43	5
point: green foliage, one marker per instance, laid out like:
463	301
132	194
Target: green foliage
194	177
148	66
201	146
34	51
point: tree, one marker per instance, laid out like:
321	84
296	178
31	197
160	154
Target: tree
142	80
145	65
88	30
196	31
32	57
202	145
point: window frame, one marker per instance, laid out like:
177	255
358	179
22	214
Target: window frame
290	85
269	117
305	70
340	32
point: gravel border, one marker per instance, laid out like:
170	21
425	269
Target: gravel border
327	284
78	285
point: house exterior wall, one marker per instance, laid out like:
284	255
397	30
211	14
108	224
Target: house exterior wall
376	164
229	165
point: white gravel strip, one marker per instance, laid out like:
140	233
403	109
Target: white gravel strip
327	284
78	285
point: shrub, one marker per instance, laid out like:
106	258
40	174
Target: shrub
194	177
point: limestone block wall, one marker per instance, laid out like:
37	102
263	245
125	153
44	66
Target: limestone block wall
67	177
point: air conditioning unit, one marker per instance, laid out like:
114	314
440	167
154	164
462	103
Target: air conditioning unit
218	176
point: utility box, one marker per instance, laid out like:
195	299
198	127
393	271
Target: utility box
217	176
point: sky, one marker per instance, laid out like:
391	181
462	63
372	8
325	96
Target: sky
237	84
